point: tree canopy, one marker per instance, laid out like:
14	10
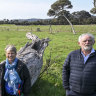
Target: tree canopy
81	14
59	7
93	10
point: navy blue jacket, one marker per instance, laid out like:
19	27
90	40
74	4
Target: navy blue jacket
78	76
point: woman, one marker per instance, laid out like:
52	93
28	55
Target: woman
14	75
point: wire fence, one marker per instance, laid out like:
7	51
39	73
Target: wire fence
46	28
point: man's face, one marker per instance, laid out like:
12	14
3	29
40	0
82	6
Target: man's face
11	55
86	43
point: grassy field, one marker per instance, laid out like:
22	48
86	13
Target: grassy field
62	43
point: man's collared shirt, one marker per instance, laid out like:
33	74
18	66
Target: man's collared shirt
86	57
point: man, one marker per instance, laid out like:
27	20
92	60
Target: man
79	69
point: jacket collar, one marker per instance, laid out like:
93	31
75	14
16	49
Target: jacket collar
93	52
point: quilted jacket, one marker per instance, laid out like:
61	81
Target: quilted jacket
78	76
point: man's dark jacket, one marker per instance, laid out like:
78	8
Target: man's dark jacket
23	73
78	76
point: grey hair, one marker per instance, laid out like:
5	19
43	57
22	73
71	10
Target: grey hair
11	48
82	35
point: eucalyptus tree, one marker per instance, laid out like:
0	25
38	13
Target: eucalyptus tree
81	16
93	10
59	8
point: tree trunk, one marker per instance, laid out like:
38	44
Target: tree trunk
95	3
50	28
70	24
32	55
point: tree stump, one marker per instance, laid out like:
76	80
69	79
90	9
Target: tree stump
38	30
32	55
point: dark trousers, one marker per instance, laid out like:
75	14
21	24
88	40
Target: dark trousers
72	93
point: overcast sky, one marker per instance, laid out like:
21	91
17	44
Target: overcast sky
26	9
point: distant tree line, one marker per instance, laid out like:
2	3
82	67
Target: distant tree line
77	18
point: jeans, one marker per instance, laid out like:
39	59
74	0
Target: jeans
72	93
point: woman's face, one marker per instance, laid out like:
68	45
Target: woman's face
10	55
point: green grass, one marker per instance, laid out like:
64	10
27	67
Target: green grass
62	43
